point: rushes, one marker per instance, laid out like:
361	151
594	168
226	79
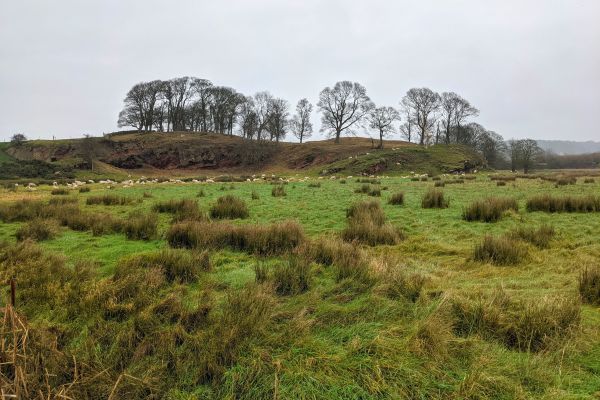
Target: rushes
366	224
229	207
589	285
434	198
397	199
109	200
276	238
549	203
490	209
499	251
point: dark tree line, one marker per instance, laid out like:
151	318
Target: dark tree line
193	104
424	116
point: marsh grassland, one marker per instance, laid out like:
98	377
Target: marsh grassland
387	288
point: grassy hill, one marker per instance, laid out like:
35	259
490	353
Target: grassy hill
183	153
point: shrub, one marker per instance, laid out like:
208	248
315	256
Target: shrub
490	209
397	199
177	265
141	226
109	200
229	207
439	184
589	285
84	189
434	198
292	277
37	230
499	251
366	224
553	204
278	191
276	238
520	325
539	237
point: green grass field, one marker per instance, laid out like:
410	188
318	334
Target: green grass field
339	339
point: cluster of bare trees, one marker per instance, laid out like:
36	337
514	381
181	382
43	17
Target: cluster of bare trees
424	116
193	104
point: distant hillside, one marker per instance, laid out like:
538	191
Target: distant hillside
154	153
569	147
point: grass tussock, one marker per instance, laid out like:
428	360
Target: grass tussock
177	265
439	184
278	191
59	192
84	189
182	209
589	285
589	180
141	226
434	198
490	209
500	183
229	207
396	199
396	283
109	200
552	204
521	325
367	224
254	195
499	251
292	277
37	230
314	185
276	238
540	237
61	201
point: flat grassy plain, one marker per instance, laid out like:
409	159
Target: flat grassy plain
338	338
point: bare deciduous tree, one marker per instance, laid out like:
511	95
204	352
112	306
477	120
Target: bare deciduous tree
382	119
342	107
422	103
278	120
301	125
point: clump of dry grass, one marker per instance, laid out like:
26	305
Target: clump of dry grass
229	207
589	285
84	189
275	238
366	224
293	276
37	230
177	265
397	199
522	325
278	191
397	283
500	183
539	237
434	198
549	203
109	200
61	201
141	226
59	192
182	209
499	251
439	184
490	209
589	180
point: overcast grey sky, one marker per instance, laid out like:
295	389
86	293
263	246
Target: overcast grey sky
531	67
